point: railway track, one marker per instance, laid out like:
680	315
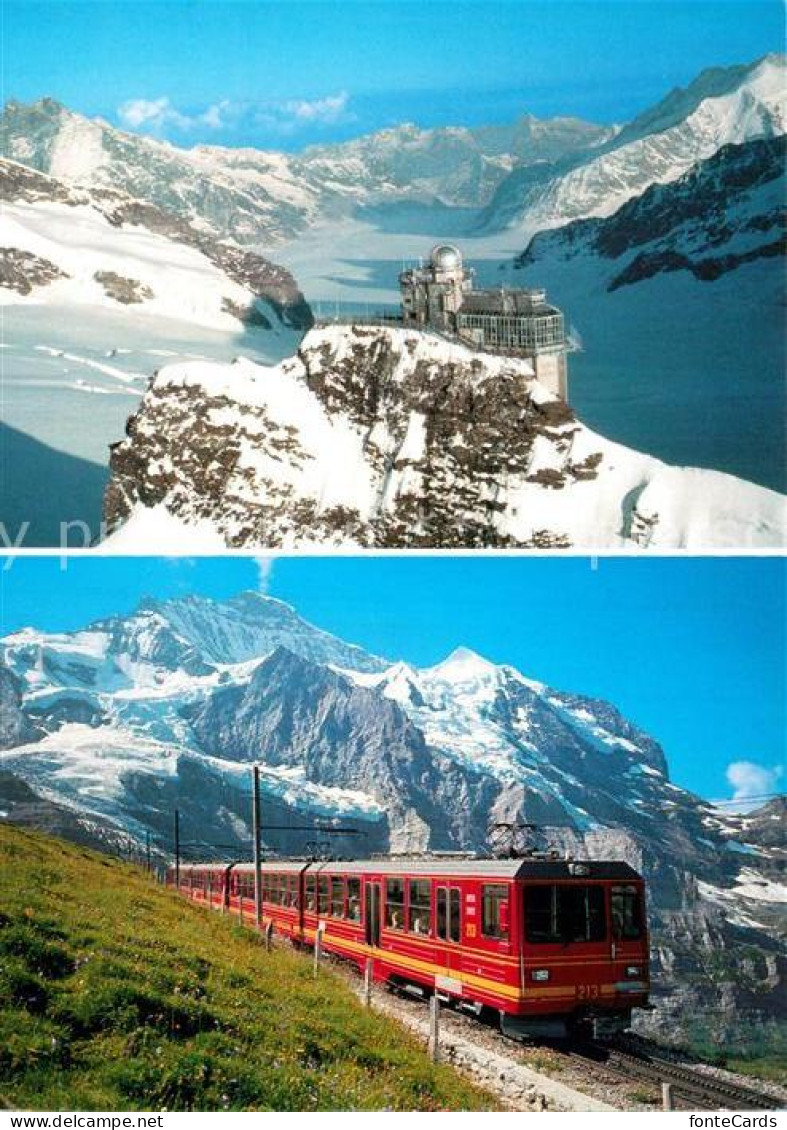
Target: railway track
692	1089
635	1060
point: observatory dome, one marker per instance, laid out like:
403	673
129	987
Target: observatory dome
446	257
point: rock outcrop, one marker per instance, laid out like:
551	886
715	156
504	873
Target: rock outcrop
375	436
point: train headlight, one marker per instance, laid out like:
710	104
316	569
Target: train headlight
540	975
633	970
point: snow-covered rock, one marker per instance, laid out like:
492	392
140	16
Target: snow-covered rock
679	299
64	246
375	436
724	212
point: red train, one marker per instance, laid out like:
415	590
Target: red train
551	945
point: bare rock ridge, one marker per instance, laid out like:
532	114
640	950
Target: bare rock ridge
376	436
264	280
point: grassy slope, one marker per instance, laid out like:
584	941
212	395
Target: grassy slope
118	995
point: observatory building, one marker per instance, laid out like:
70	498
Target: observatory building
509	320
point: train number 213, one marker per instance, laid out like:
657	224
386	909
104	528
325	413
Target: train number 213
588	992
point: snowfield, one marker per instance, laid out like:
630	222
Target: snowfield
81	242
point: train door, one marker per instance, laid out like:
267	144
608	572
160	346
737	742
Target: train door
628	940
448	931
373	911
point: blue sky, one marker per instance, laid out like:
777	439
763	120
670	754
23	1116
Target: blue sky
693	650
284	74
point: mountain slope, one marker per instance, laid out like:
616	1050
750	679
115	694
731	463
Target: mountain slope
390	437
256	197
680	285
97	958
722	106
64	245
723	213
138	715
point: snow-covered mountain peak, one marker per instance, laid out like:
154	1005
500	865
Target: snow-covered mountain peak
463	665
251	625
722	106
763	80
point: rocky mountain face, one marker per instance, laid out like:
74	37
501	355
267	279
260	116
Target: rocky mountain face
722	106
257	198
374	436
725	212
680	284
121	722
123	237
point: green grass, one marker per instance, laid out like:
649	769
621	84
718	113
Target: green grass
118	995
771	1068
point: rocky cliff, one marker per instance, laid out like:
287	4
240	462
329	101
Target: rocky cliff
374	436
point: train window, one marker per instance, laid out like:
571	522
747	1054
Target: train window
626	909
455	916
294	890
323	894
565	913
442	913
311	893
494	921
419	914
337	898
394	904
354	900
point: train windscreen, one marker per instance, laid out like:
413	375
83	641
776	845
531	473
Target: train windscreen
565	913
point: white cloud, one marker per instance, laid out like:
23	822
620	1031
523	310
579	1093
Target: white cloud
752	782
264	573
159	115
329	110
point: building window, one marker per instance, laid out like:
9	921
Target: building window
494	924
394	904
419	914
